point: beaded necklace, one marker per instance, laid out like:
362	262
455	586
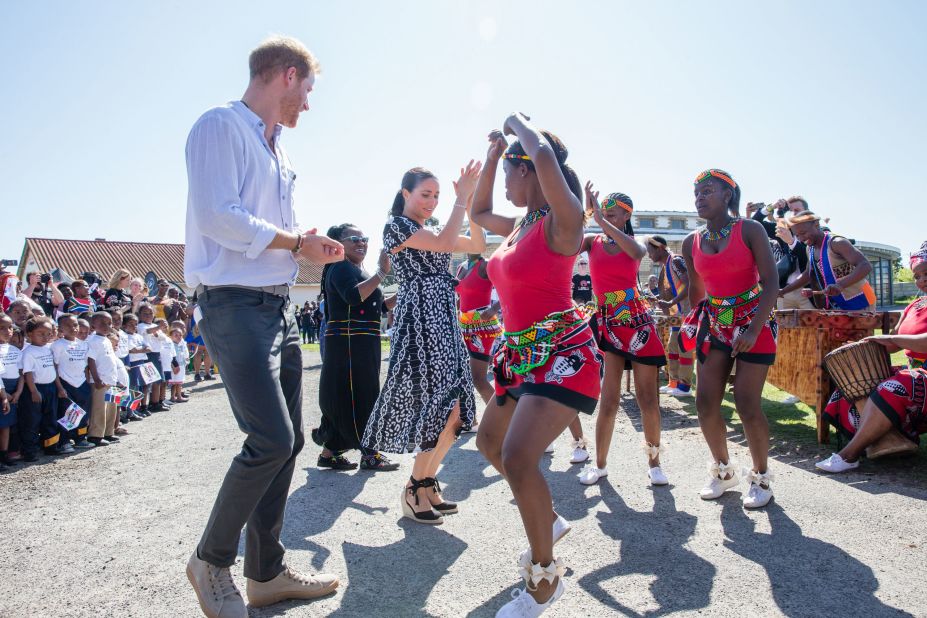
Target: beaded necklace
533	216
721	234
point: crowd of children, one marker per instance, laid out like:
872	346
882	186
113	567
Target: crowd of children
75	381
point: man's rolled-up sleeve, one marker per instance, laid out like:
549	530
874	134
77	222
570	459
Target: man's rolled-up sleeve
214	170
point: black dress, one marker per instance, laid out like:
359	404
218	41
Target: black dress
429	366
350	380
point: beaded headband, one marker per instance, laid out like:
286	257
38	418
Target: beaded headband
516	156
610	202
656	243
717	174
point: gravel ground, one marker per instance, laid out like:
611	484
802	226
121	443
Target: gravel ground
108	532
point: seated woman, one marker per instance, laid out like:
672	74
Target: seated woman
900	402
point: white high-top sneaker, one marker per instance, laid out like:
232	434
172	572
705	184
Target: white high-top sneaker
760	492
523	604
723	477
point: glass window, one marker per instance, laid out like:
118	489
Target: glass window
646	222
677	224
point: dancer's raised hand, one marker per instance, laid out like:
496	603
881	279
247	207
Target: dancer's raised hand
466	184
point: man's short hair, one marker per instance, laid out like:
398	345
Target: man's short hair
278	53
99	315
798	198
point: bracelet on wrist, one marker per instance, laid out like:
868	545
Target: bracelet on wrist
299	243
459	205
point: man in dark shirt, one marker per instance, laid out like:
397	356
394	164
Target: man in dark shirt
582	283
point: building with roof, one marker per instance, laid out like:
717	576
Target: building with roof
67	259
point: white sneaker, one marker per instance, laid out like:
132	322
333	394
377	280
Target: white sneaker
835	463
675	392
591	474
657	477
523	604
560	528
757	496
550	448
580	452
215	590
717	485
791	399
665	389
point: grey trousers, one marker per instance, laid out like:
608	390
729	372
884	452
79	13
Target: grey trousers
254	339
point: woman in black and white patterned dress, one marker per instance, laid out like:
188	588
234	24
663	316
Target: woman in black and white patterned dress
428	394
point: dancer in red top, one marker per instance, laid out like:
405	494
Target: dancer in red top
733	285
549	366
624	330
479	322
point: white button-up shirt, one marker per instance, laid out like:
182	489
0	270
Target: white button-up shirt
240	194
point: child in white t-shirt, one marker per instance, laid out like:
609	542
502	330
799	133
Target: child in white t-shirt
11	360
167	356
102	363
149	330
138	355
70	355
40	408
179	366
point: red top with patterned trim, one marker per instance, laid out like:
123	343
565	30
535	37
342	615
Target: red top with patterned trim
532	280
611	272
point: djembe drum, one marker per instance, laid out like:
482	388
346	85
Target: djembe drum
857	369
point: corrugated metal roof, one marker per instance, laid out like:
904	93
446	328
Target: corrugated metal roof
106	257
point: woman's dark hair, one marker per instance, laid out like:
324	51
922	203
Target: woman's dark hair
561	152
335	232
410	180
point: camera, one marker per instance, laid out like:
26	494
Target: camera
45	278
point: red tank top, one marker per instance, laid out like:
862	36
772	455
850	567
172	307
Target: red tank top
729	273
474	291
532	280
611	273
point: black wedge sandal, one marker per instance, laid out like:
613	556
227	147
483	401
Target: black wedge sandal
422	517
445	508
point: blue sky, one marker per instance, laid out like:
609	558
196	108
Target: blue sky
822	98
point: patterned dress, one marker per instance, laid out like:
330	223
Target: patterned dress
429	367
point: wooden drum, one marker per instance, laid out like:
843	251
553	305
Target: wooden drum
857	369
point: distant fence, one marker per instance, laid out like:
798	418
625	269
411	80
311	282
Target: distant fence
907	288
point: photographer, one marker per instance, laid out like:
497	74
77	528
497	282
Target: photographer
791	256
42	290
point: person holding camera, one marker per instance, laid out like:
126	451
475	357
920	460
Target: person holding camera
42	290
790	253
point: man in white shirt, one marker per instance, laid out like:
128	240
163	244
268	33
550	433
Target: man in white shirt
242	242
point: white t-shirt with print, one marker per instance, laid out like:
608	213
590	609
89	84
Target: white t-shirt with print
136	341
167	351
40	361
101	351
71	360
123	349
12	359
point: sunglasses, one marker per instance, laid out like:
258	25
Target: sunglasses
363	239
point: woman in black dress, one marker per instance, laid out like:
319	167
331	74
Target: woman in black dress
428	394
350	380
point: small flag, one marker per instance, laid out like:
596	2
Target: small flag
72	417
115	396
134	400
